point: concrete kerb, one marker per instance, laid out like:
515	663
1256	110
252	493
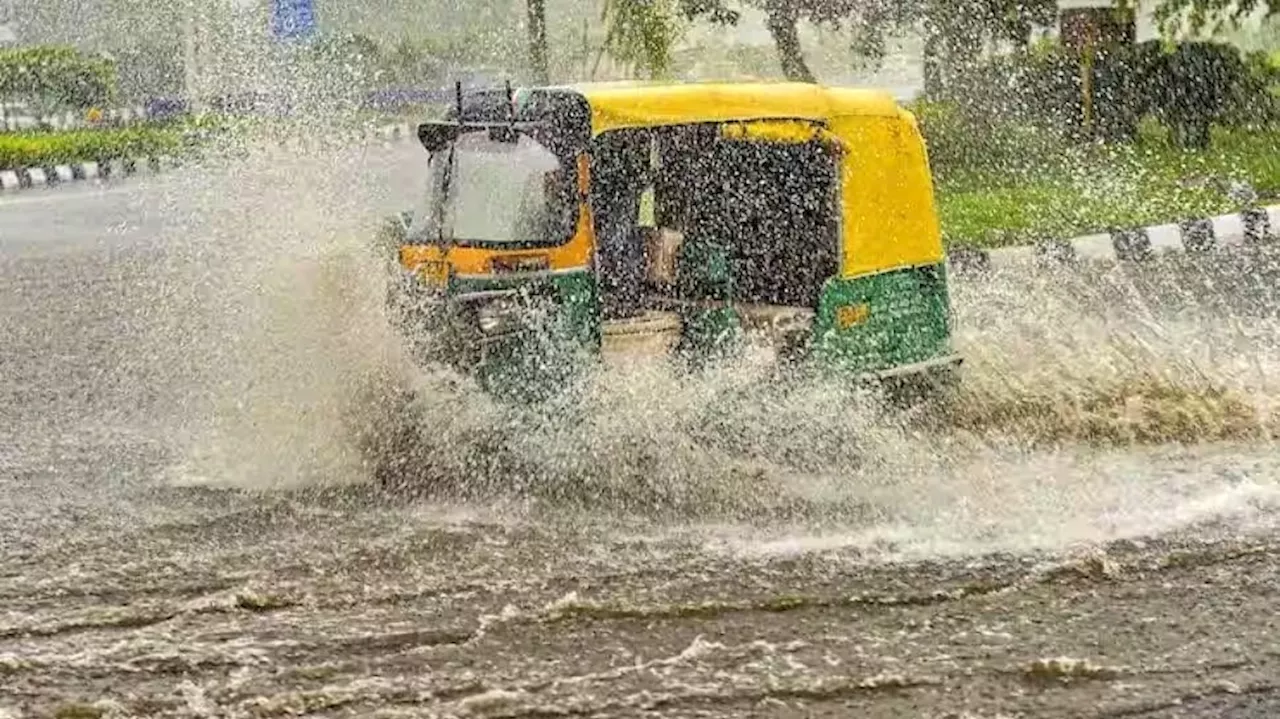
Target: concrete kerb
37	177
1251	227
61	174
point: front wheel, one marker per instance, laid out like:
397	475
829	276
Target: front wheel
931	389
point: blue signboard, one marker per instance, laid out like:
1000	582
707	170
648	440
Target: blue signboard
293	19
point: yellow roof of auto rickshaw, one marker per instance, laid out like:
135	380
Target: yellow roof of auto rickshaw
616	105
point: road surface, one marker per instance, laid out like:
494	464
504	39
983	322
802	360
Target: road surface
191	367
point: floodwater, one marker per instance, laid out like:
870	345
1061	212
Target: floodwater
195	375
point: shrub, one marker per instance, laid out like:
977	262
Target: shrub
963	140
1189	88
46	149
57	75
1198	84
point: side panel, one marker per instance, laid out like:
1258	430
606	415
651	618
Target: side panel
704	274
888	215
884	320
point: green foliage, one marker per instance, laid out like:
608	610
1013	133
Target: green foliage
1205	15
956	31
411	64
346	63
60	76
962	141
1189	87
1083	191
1203	83
19	150
644	33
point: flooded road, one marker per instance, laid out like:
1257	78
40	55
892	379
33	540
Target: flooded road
190	368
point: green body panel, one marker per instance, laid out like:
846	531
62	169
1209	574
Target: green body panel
576	292
704	272
543	357
909	320
709	334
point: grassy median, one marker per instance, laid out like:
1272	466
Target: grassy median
45	148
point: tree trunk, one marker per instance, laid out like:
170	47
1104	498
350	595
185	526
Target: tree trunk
782	26
538	41
934	67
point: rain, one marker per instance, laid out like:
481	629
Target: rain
257	460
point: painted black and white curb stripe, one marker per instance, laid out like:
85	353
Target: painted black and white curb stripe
34	177
1251	227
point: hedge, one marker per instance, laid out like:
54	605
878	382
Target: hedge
47	149
59	75
1189	88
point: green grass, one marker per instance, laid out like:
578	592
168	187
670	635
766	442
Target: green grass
47	148
1084	191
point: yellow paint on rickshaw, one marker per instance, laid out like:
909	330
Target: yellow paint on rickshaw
575	254
776	131
888	218
616	106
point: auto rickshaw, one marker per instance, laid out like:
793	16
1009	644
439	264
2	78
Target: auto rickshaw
607	219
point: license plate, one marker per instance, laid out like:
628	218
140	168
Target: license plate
519	264
434	272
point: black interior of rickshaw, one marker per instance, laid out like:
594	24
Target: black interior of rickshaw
773	205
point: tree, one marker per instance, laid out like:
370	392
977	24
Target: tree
639	32
783	18
56	76
1205	15
955	30
643	33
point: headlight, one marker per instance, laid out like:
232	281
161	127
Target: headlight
498	318
490	320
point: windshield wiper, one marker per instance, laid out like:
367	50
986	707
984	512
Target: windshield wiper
448	169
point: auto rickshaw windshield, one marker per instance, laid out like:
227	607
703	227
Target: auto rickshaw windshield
484	191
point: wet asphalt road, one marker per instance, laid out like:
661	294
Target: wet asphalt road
981	573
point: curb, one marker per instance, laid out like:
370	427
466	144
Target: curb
28	178
1251	227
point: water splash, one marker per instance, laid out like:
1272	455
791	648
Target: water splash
284	374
